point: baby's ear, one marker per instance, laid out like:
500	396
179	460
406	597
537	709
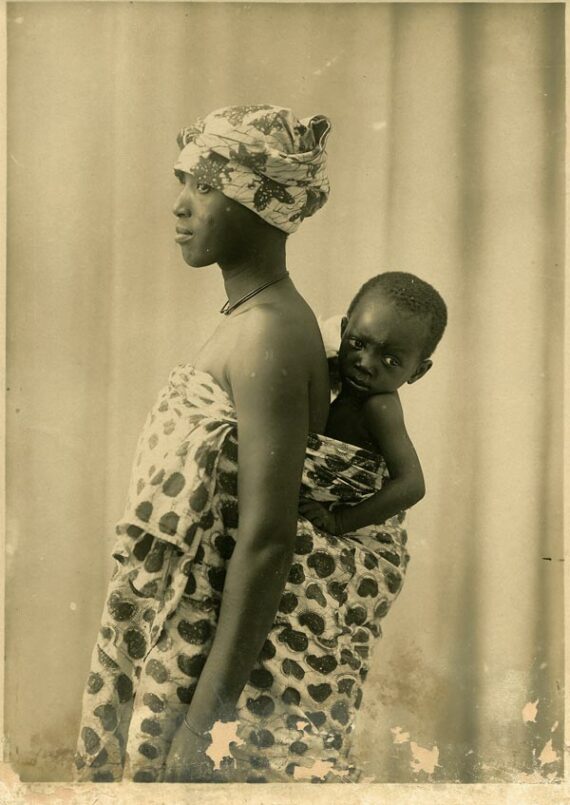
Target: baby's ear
343	324
420	371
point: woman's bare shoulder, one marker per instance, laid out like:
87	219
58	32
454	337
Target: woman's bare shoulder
265	336
283	327
282	347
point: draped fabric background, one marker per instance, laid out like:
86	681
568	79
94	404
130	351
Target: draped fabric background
446	160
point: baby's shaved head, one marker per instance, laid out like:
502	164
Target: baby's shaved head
412	295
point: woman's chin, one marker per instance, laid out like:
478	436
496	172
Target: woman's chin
197	261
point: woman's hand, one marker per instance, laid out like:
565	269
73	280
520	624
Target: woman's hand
187	761
319	515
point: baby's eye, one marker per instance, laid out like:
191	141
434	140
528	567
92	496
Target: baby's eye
355	342
202	187
390	360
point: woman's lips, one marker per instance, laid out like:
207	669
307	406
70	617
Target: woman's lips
182	235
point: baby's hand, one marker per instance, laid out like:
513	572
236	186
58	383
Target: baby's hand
319	515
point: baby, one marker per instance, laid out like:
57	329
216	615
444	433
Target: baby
392	327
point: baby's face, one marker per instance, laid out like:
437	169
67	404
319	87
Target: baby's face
382	347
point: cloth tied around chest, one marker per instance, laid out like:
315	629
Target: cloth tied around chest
184	490
175	479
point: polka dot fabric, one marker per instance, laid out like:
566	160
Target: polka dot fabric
173	547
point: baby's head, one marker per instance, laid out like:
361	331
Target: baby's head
392	327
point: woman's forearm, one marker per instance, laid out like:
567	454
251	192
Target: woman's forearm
270	388
253	588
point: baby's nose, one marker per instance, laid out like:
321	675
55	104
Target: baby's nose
365	363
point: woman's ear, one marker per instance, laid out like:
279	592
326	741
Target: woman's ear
420	371
343	324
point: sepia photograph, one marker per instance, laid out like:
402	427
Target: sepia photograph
284	398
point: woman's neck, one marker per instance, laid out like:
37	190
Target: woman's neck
259	267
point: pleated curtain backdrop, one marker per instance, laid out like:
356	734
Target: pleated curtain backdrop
446	160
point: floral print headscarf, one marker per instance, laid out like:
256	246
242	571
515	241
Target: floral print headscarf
261	157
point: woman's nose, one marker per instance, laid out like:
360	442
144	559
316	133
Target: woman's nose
182	204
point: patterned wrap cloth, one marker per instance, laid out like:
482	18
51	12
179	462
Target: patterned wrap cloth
159	620
261	157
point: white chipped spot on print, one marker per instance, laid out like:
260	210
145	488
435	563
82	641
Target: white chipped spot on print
530	711
399	736
548	754
320	768
424	759
223	734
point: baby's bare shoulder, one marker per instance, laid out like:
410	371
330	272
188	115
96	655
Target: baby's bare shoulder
383	408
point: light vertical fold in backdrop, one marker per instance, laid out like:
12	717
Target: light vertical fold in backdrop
446	160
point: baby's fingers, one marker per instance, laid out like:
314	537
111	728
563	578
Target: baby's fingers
310	509
316	516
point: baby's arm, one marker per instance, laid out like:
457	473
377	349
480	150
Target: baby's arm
384	420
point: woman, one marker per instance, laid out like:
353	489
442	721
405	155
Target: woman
198	627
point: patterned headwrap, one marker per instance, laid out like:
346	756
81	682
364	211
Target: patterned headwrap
261	157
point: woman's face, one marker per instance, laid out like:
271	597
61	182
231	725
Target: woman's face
211	228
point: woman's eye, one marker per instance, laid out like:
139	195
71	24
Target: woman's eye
202	187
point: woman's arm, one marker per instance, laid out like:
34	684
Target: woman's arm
384	420
269	382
